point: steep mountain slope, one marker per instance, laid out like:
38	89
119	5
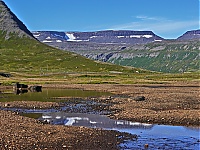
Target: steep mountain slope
136	48
20	52
9	23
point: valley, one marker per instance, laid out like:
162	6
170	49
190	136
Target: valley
131	78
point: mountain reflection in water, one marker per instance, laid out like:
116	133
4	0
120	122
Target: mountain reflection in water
90	120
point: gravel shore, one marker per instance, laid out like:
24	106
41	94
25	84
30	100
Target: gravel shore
174	104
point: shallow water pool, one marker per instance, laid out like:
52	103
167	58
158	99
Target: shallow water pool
49	95
155	136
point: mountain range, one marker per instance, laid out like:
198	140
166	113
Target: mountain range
20	50
142	49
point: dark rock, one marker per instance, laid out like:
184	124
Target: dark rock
7	105
146	146
7	75
124	47
139	98
20	86
35	88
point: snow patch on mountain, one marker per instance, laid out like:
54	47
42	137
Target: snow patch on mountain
93	37
135	36
71	37
59	41
36	35
46	41
157	40
120	36
147	36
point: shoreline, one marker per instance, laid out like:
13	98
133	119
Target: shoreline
165	104
168	104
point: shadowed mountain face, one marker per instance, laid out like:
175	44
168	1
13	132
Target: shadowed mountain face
9	23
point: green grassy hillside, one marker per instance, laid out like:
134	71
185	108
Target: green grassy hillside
26	55
32	62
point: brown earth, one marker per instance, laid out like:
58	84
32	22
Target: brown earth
176	104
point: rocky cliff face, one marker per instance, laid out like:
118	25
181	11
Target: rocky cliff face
9	23
190	35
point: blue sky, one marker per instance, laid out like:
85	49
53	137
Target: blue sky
166	18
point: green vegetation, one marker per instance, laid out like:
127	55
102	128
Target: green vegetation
172	57
32	62
24	55
101	78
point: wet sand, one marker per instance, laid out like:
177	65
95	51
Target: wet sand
175	104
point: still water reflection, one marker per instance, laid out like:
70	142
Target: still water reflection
90	120
48	95
157	136
101	121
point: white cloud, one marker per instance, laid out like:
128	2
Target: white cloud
147	18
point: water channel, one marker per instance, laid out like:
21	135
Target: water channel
81	113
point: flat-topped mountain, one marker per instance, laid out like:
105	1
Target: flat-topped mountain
190	35
112	36
103	37
9	23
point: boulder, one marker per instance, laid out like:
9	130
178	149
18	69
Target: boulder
35	88
139	98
